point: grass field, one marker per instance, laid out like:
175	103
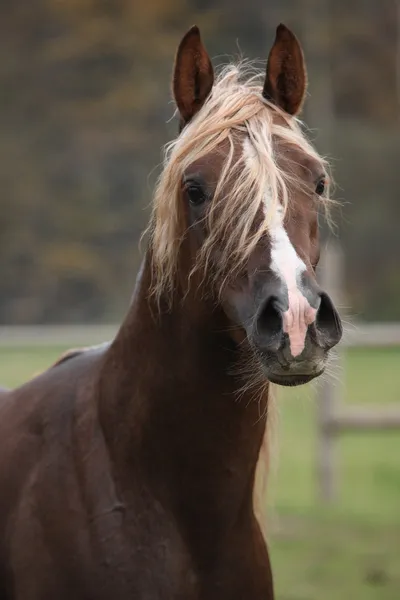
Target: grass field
350	551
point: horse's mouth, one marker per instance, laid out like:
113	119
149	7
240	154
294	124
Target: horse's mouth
293	380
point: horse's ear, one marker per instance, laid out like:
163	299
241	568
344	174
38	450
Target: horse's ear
193	75
286	77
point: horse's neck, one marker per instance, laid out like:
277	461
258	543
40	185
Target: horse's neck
172	407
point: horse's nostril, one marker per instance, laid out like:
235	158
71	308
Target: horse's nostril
328	323
269	324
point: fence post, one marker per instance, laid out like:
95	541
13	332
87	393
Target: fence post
328	389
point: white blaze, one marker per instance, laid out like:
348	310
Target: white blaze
288	267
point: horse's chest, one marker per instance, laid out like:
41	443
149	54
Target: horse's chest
143	555
139	556
145	558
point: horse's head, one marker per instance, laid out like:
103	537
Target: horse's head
239	197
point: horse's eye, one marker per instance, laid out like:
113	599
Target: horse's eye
320	187
196	195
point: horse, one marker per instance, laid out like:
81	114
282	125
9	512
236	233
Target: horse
129	470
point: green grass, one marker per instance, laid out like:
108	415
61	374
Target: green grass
368	463
17	365
350	550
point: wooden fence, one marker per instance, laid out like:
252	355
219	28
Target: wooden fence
333	417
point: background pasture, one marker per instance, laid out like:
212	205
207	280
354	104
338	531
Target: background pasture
348	550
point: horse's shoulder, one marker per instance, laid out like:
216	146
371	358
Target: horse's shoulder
49	399
62	376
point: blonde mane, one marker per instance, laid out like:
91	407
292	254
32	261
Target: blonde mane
234	108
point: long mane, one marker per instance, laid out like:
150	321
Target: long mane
234	108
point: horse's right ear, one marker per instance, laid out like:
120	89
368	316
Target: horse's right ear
193	75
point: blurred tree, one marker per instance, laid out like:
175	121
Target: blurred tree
85	108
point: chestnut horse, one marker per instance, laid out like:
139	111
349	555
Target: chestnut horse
128	471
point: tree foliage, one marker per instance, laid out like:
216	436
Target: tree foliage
85	108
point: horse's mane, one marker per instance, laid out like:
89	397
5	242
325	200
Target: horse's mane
235	108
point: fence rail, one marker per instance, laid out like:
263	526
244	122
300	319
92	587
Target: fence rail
333	418
359	418
56	335
376	335
361	334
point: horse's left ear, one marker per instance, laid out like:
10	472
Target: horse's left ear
193	75
286	77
